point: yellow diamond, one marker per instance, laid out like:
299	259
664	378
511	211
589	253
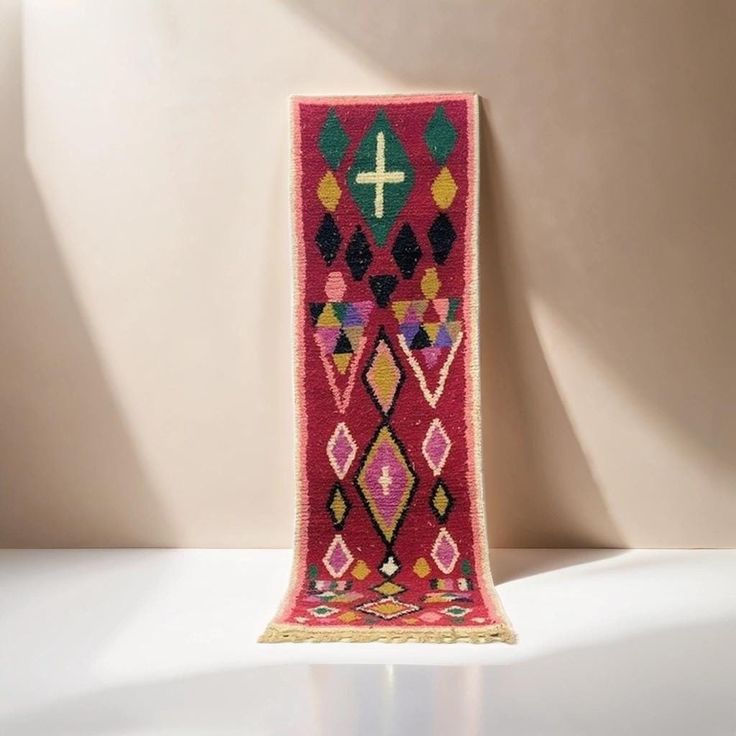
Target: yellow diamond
440	500
444	189
348	616
389	588
338	506
387	608
361	570
421	568
430	283
329	192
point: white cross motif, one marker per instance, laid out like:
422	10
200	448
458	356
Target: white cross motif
385	480
380	177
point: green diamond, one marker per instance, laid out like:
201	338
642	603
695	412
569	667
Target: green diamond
323	611
333	140
456	611
381	177
440	135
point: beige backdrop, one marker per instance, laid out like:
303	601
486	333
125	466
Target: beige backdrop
144	260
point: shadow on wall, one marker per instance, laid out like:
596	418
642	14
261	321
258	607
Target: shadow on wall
59	413
607	212
524	503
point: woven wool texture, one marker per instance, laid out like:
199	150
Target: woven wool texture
390	532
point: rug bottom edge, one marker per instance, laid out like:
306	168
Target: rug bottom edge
288	633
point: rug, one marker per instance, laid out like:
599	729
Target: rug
390	531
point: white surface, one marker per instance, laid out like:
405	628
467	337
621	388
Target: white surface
141	642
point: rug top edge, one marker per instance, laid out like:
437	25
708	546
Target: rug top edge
383	99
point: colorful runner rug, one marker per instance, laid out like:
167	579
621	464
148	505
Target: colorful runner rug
390	531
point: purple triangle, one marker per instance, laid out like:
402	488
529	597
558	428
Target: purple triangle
443	339
409	330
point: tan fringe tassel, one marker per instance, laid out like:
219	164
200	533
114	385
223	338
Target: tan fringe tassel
280	633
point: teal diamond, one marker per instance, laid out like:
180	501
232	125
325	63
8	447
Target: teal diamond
456	611
440	135
380	178
333	140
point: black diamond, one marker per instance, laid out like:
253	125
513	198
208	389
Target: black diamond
358	255
328	238
406	251
382	288
439	490
336	494
442	236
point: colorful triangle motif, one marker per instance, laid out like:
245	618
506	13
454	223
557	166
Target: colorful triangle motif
432	395
340	349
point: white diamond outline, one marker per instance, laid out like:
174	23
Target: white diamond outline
452	615
444	534
341	472
330	612
436	425
349	559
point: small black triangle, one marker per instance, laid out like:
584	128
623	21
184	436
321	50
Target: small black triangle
421	340
315	309
343	345
382	287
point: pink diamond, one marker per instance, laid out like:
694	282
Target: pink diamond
341	449
445	552
386	481
436	446
430	617
338	558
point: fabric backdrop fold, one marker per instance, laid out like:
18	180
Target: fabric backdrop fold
390	530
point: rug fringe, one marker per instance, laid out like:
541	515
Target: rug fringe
285	633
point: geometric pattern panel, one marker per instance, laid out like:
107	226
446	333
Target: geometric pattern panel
390	537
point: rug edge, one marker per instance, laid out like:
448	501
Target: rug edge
277	633
474	422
